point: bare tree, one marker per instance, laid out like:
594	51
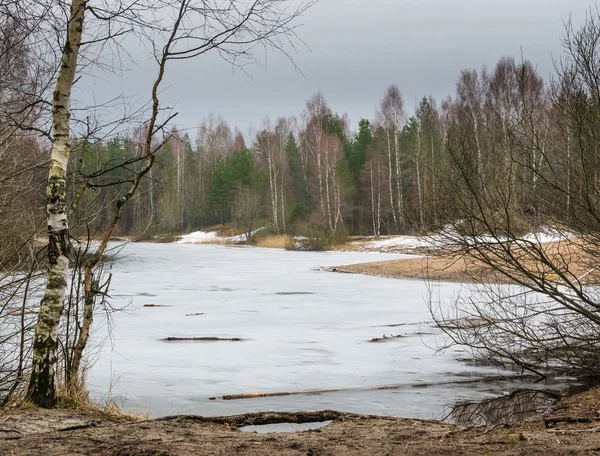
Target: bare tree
233	29
392	117
549	319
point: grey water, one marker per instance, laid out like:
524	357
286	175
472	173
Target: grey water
302	328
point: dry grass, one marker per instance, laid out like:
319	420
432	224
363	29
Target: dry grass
572	257
272	241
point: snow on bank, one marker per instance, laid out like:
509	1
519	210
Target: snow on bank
548	234
394	244
212	237
199	237
418	244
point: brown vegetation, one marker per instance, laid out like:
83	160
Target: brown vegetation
446	266
273	241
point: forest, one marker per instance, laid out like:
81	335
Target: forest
316	174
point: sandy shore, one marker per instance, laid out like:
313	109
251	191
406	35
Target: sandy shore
570	256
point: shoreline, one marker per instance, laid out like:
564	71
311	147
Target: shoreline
570	427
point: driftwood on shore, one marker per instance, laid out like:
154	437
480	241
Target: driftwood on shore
552	421
204	339
264	418
231	397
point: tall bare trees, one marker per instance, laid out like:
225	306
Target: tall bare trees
391	116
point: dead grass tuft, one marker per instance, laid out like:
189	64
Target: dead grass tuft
272	241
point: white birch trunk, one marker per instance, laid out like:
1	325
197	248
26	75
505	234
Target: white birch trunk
400	200
372	200
42	383
418	167
390	178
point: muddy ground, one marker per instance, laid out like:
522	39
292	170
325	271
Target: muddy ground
571	429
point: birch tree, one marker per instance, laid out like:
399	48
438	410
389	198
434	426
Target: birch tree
42	388
392	117
234	29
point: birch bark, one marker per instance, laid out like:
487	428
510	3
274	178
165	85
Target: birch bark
42	383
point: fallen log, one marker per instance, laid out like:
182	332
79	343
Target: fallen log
231	397
573	431
155	305
80	426
203	339
263	418
384	338
194	315
551	421
403	324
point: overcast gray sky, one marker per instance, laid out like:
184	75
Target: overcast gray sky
357	48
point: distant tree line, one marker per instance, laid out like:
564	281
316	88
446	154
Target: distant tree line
395	174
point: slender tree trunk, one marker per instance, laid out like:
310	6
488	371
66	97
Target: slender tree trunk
320	174
90	291
372	199
433	171
328	195
568	174
399	179
418	167
42	383
337	200
282	199
272	184
480	178
151	196
390	179
378	196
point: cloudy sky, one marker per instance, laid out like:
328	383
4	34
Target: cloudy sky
354	50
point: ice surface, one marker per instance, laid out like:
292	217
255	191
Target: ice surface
303	328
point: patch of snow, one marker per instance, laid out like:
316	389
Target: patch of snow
548	234
212	237
408	244
398	244
199	237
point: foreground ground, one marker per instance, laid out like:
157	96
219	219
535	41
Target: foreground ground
571	429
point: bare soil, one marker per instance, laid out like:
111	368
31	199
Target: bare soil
571	430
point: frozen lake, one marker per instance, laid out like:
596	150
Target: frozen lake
302	328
